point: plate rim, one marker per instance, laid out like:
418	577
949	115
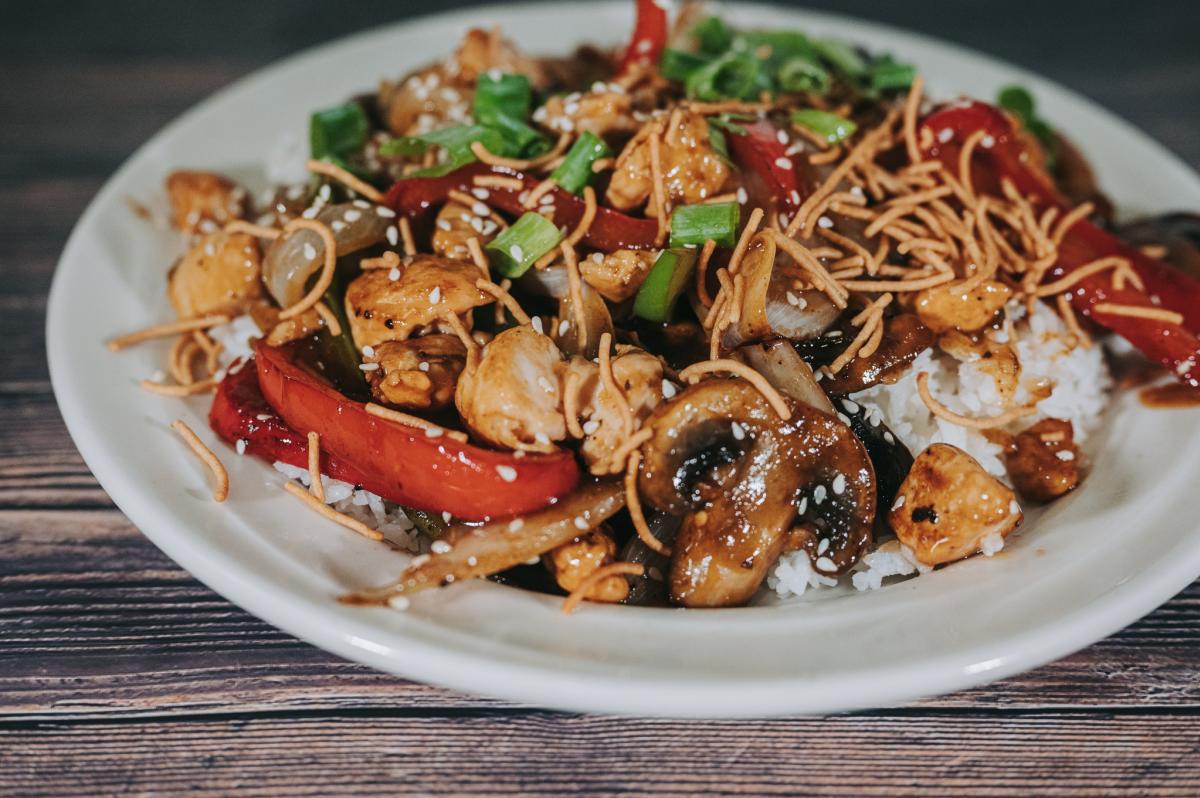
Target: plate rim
544	685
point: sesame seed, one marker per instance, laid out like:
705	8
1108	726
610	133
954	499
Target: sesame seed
889	437
783	163
839	484
393	235
668	389
1013	507
368	350
479	209
517	253
795	197
241	446
542	438
434	432
819	493
781	136
264	416
850	405
369	366
823	546
394	274
384	213
443	224
563	326
515	525
742	196
1066	455
472	561
580	522
400	603
310	252
435	296
536	323
337	226
423	366
945	134
738	432
590	427
440	547
825	222
802	506
507	473
825	564
446	516
899	502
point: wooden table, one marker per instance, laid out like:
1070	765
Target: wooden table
121	675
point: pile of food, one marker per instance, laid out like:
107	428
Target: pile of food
719	313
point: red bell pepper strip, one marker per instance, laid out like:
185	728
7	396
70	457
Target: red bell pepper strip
772	177
650	32
610	230
1176	346
400	463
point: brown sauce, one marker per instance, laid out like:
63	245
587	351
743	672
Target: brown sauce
1172	395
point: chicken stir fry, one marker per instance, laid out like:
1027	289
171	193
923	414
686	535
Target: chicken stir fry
667	325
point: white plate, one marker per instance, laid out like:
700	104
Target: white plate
1097	560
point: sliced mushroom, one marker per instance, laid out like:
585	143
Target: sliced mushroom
749	484
904	338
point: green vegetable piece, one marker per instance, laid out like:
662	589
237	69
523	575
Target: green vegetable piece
889	74
502	95
774	47
712	35
337	132
667	280
803	74
733	75
678	65
1018	100
843	57
576	169
716	140
403	147
1021	103
694	224
831	127
529	238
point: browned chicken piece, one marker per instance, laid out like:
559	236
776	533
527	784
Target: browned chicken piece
417	374
949	507
456	224
512	397
692	170
639	375
219	274
1043	461
204	201
599	112
425	100
483	50
998	360
944	307
617	275
426	290
573	562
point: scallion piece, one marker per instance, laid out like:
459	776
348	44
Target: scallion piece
667	280
337	131
403	147
803	74
713	35
679	65
843	57
694	224
831	127
733	75
889	74
576	169
499	94
515	249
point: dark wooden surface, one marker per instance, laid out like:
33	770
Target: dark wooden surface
121	675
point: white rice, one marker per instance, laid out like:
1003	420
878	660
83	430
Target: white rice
235	338
363	505
1081	384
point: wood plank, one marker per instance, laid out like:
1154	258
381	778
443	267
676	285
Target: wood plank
502	753
95	621
39	465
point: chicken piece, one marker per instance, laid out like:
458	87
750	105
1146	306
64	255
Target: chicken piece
998	360
692	170
484	50
639	375
512	397
949	508
417	374
293	329
456	224
573	562
618	275
600	112
204	201
1043	461
945	307
424	100
382	309
219	274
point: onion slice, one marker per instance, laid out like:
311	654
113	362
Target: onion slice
788	373
476	551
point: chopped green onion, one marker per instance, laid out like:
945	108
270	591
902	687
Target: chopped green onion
456	140
502	95
733	75
843	57
337	131
728	122
831	127
679	65
1021	103
403	147
777	46
716	140
516	249
576	169
803	74
667	280
888	74
713	35
695	224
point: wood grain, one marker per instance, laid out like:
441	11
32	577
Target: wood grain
121	675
